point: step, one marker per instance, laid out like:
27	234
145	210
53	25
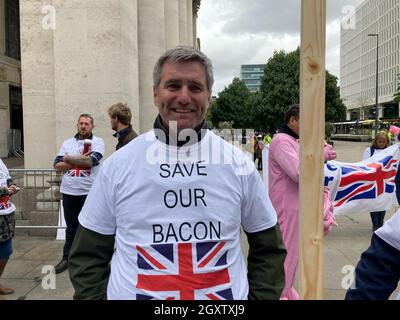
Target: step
22	232
43	218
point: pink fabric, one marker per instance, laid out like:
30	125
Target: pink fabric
284	162
329	218
284	193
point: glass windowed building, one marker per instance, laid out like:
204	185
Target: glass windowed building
358	59
251	74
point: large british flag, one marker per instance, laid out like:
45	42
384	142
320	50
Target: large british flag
78	172
365	186
184	271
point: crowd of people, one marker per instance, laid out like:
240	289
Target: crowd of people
170	229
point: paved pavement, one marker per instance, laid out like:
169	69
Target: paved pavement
342	249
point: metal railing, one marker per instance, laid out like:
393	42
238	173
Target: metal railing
15	143
38	201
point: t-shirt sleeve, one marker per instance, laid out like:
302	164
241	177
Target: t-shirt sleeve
99	146
98	212
367	153
258	213
62	151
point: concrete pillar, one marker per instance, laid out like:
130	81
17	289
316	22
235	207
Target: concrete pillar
88	62
183	22
37	64
151	26
2	28
171	23
189	8
4	118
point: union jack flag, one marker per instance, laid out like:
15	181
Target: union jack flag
183	271
78	172
366	182
4	202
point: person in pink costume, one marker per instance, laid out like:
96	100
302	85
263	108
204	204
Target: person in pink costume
284	168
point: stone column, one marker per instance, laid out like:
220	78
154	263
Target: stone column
151	29
87	63
95	49
37	64
183	22
2	29
189	8
171	23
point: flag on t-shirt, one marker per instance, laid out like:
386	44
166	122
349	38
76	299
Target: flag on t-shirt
183	271
365	186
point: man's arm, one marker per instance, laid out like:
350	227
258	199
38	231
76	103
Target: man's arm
266	257
377	273
67	162
88	264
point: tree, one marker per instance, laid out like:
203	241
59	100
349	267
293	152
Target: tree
396	96
335	110
281	88
231	105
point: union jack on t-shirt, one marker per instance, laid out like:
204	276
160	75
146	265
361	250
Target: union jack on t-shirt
183	271
78	172
4	202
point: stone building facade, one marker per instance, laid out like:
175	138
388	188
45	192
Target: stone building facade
81	56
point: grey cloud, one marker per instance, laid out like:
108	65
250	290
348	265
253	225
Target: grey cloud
272	16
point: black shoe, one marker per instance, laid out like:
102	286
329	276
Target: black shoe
61	266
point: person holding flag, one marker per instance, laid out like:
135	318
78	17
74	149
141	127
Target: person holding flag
380	142
284	173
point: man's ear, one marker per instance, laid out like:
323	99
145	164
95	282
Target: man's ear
209	101
155	96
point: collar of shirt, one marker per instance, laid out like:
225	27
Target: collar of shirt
78	137
201	130
123	132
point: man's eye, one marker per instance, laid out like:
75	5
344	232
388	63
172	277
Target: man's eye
195	89
173	87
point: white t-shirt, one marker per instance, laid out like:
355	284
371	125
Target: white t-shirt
6	206
390	232
367	153
77	181
177	218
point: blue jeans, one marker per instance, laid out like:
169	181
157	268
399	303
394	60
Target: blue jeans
5	249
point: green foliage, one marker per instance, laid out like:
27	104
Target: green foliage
281	88
280	85
265	110
231	105
396	96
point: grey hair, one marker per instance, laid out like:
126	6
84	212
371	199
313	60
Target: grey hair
184	53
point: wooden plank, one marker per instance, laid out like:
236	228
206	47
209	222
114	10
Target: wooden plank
312	134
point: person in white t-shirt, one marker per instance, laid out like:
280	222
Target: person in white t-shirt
7	221
174	200
380	142
377	274
78	158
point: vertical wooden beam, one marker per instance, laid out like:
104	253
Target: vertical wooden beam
312	134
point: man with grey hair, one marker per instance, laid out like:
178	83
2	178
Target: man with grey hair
175	217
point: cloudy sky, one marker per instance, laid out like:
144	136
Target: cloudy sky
236	32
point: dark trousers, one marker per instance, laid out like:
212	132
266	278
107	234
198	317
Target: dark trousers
72	207
377	219
259	164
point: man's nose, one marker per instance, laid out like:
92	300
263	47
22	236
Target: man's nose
184	96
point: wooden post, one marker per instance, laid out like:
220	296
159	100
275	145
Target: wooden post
312	134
